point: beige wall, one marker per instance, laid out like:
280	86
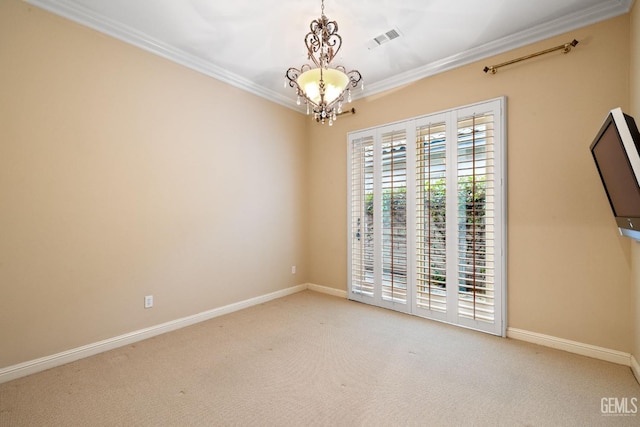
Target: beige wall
122	175
635	112
568	269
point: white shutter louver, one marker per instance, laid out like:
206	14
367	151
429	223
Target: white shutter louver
476	251
362	216
431	248
427	216
394	216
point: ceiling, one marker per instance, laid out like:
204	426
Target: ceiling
251	43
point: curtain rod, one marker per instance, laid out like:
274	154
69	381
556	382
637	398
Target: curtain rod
351	111
566	48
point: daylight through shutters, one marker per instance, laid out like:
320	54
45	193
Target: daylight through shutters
431	255
362	215
426	216
394	213
476	255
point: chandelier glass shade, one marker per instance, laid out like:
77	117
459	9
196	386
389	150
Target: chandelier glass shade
321	86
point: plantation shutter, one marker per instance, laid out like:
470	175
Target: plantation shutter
362	214
394	218
431	231
476	217
426	216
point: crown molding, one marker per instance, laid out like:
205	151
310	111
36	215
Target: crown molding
592	15
86	17
77	13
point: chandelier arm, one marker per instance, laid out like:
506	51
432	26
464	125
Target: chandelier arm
333	40
354	77
315	26
314	36
292	75
331	26
313	45
323	32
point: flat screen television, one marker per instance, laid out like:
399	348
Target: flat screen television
616	151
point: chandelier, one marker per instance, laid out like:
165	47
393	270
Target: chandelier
322	87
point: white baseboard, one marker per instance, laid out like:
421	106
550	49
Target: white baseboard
32	366
327	290
596	352
635	368
588	350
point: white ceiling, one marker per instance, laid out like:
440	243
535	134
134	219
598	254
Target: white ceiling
251	43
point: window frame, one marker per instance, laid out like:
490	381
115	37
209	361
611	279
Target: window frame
451	117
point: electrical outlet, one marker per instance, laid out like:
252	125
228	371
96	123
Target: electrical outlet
293	269
148	301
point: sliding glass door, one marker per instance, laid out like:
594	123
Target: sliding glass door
426	216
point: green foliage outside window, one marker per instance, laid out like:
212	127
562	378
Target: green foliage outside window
472	194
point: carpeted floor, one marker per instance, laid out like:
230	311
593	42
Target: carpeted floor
313	359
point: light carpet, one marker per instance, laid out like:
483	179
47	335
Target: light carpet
313	359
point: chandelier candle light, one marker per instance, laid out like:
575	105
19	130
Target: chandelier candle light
323	87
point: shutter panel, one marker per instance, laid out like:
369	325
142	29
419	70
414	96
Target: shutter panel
394	216
431	248
362	216
426	216
476	214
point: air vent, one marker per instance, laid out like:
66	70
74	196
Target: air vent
383	38
392	34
